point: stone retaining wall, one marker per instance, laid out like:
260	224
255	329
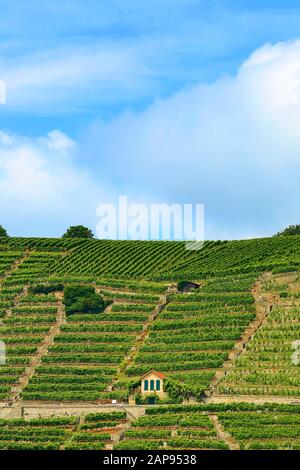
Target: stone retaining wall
49	410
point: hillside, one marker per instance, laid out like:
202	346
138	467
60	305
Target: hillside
227	346
160	259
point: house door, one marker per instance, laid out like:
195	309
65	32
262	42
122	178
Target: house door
151	400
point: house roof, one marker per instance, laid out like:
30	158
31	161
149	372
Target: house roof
159	374
184	285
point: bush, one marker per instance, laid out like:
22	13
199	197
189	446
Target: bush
46	288
82	299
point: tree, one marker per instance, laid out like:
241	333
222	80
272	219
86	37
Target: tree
78	231
3	232
82	299
291	230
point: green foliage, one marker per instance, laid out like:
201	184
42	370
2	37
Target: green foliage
266	366
78	231
46	288
195	332
3	232
172	428
82	299
55	433
188	340
291	230
157	260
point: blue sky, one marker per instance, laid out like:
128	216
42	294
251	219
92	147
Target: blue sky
165	101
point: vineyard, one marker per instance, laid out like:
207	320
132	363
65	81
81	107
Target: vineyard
86	355
266	367
240	426
197	331
94	432
228	351
156	259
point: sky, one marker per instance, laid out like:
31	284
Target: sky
170	101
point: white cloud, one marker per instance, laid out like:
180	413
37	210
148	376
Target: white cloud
34	170
233	145
42	189
73	77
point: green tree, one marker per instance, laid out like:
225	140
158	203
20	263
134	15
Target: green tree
291	230
3	232
78	231
82	299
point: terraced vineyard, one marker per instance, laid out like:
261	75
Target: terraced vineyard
171	428
87	353
267	366
224	348
266	427
197	331
94	432
219	427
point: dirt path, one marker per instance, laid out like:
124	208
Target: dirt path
119	435
222	434
41	352
264	302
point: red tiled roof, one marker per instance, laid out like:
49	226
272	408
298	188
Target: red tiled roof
159	374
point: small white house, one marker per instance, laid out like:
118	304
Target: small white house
152	383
